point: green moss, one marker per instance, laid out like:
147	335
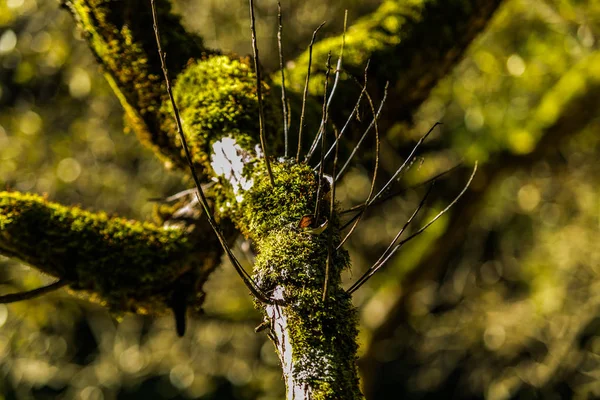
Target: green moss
121	36
217	97
379	31
132	266
322	333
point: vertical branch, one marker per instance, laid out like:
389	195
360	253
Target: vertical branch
338	70
331	208
284	104
305	94
372	189
322	130
261	114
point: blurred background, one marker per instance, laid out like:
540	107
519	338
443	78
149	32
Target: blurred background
499	299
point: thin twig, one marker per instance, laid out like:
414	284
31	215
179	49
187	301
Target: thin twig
250	284
408	159
355	149
310	48
390	195
31	294
372	189
351	116
284	103
371	271
323	124
376	265
331	209
338	70
261	111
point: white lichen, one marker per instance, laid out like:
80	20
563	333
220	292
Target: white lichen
296	389
228	160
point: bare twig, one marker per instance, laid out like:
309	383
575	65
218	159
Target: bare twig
355	149
390	195
338	70
377	264
391	251
372	189
331	209
310	47
31	294
284	104
261	112
408	159
352	114
250	284
323	125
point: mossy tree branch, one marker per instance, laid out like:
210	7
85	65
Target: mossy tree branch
315	338
126	265
412	44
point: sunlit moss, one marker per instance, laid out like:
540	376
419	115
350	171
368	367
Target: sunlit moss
129	264
121	37
217	97
322	333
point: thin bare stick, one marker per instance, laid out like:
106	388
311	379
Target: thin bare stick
250	284
261	111
352	114
182	194
372	189
304	96
390	195
355	149
366	275
331	208
284	102
408	159
31	294
338	69
324	125
382	260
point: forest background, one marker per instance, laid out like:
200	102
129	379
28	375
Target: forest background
498	300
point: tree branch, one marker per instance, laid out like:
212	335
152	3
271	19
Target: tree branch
411	44
127	265
119	35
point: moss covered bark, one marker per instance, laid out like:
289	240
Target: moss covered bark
126	265
410	43
315	338
119	34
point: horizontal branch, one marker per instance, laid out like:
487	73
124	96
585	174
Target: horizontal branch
128	265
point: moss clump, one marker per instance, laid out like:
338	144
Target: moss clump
322	333
217	97
266	207
132	266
